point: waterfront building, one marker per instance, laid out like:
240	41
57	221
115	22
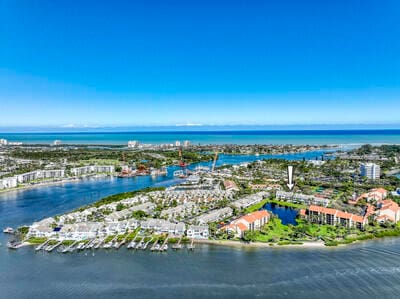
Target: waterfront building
163	226
186	143
177	143
3	141
322	215
40	174
42	228
78	171
388	210
7	183
253	221
197	232
370	170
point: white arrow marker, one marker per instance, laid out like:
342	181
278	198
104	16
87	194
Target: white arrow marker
290	177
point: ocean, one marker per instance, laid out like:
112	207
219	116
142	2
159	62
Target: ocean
317	137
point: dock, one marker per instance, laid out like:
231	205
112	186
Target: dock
52	247
178	245
70	248
155	246
147	244
164	246
41	246
191	246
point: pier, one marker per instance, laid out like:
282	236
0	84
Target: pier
178	245
164	246
42	245
191	246
155	246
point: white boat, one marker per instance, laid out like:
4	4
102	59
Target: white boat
8	230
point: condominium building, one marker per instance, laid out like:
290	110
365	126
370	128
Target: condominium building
7	183
253	221
322	215
40	174
302	198
370	170
92	169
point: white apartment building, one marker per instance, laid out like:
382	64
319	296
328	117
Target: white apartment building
6	183
92	169
40	174
370	170
197	232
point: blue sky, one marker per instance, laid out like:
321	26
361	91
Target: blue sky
124	63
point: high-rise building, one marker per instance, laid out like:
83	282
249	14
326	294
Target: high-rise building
370	170
177	143
133	143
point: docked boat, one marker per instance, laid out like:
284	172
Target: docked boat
13	244
8	230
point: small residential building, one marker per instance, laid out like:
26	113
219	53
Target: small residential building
214	215
197	232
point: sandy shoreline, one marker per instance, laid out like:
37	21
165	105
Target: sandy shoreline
305	244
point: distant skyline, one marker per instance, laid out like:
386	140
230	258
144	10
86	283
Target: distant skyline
189	64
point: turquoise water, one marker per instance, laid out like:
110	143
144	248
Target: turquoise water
216	137
367	270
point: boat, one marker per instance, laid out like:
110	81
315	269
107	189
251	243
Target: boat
13	244
177	246
8	230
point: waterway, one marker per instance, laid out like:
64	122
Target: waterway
226	136
366	270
